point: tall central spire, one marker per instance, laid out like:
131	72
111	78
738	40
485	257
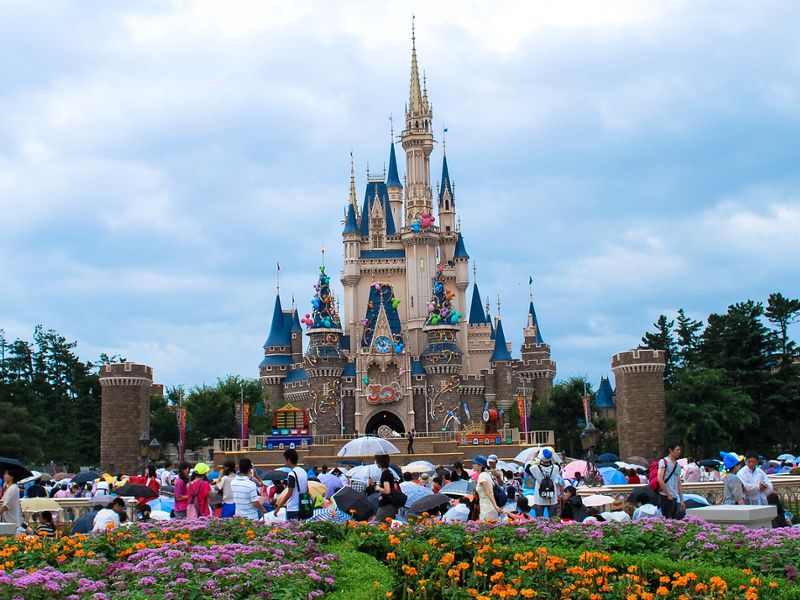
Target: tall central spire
415	104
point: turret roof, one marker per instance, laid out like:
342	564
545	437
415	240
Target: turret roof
501	352
605	395
280	329
535	321
376	192
461	250
445	184
392	179
350	224
296	321
476	314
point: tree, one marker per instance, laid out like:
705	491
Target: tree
514	419
18	433
662	339
688	333
707	412
563	413
782	312
163	421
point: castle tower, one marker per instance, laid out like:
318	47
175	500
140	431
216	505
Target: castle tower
395	189
297	339
641	407
277	354
351	271
124	415
501	363
537	371
479	335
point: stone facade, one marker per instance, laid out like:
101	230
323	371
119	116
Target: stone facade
124	415
640	403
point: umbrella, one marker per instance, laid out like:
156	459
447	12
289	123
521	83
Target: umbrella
260	472
331	513
101	500
429	504
353	503
597	500
574	468
45	477
12	465
414	491
652	497
39	504
612	476
61	475
608	457
527	455
135	490
159	515
316	489
786	458
638	460
709	462
419	466
86	477
352	462
696	499
462	487
275	475
507	466
368	446
365	472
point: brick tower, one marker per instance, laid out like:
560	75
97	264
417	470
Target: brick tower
124	415
537	369
641	407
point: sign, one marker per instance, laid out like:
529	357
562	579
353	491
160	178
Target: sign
384	394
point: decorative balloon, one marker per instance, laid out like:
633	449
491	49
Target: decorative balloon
364	322
415	227
324	313
365	380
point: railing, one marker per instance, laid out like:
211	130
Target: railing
538	438
786	486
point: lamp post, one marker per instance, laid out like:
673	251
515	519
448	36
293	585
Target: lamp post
155	449
144	450
589	439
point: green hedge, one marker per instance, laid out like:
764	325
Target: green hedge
357	573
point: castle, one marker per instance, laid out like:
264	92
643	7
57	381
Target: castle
400	355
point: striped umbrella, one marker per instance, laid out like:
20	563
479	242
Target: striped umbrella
331	514
414	491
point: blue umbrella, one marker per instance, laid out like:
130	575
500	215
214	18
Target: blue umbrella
696	498
786	458
213	475
612	476
608	457
414	492
462	487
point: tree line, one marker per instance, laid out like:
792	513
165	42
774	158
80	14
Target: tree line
733	382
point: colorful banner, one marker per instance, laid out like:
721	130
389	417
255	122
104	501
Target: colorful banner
523	414
243	422
181	416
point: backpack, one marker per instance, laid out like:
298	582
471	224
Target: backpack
397	498
193	508
500	495
305	508
547	489
654	476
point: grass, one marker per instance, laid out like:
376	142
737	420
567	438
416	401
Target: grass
357	574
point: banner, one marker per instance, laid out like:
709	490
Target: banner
181	416
523	414
243	421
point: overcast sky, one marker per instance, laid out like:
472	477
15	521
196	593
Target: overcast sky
158	158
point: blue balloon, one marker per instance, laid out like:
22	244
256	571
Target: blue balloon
415	227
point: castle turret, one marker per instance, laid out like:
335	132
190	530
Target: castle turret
277	354
479	342
297	338
395	189
641	407
537	369
351	270
501	363
447	200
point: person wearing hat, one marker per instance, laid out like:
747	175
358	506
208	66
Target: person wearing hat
547	484
497	475
199	492
756	483
617	512
485	490
732	486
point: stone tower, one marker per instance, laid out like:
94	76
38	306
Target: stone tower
537	370
124	415
641	407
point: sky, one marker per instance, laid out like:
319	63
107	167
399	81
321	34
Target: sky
158	158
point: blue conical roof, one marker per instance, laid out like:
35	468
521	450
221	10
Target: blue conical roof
446	185
392	179
476	314
532	313
350	224
296	321
376	192
461	250
501	352
605	395
279	333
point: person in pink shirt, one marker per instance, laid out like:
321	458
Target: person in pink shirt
63	492
200	491
181	491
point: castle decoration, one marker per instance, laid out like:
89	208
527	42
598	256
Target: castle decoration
397	355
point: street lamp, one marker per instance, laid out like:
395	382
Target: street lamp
144	450
589	438
155	449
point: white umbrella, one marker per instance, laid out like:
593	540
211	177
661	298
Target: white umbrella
159	515
368	446
419	466
527	455
597	500
365	472
507	466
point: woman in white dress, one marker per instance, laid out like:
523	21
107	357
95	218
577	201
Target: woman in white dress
488	507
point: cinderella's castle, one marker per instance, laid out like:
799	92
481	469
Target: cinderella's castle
400	354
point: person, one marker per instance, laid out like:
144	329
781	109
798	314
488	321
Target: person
10	509
165	477
710	473
523	512
144	513
459	512
425	480
645	509
386	509
437	483
780	519
594	516
670	489
245	492
617	512
632	477
62	492
37	490
200	490
573	508
756	483
85	523
296	484
459	473
44	526
110	517
181	491
76	490
485	490
732	486
410	448
148	479
692	472
223	485
546	491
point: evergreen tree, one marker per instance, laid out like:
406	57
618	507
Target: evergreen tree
782	312
662	339
687	332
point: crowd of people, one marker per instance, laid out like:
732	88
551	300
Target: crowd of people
491	490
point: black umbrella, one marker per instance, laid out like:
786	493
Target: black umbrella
692	503
652	497
260	472
12	465
429	503
709	462
85	477
135	490
275	475
353	503
608	457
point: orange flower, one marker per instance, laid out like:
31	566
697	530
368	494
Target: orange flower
390	556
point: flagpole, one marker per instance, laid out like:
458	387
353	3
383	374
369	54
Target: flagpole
278	278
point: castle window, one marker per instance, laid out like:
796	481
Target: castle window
447	228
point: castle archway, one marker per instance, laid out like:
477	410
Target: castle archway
384	423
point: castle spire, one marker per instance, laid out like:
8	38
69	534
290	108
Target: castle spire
278	330
415	103
534	322
476	314
353	200
446	194
501	352
393	179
